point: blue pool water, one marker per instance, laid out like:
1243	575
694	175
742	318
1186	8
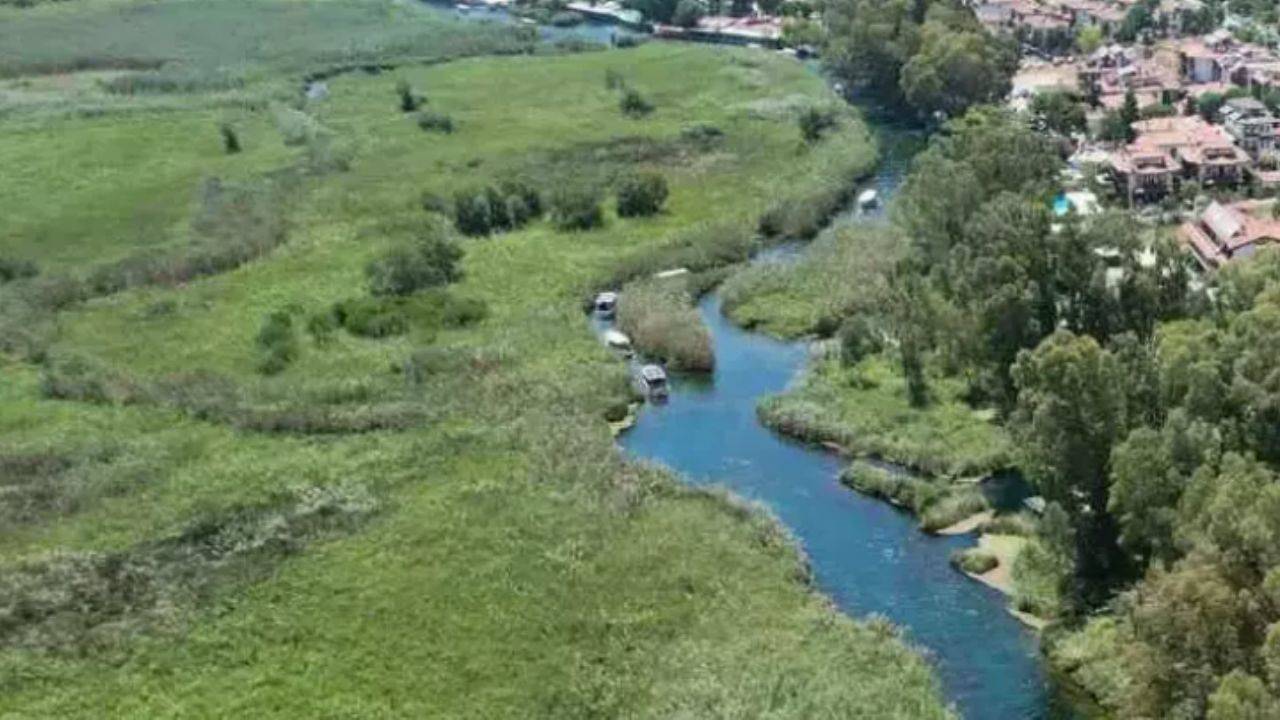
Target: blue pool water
1061	206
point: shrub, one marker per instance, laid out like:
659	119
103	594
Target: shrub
472	214
633	104
576	208
974	561
296	127
613	80
15	269
433	203
641	194
372	317
688	13
663	324
701	135
277	343
430	261
435	122
460	312
409	100
230	140
858	338
814	122
320	326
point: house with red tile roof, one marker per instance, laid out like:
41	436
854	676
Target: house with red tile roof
1228	232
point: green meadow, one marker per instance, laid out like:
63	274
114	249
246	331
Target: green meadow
428	522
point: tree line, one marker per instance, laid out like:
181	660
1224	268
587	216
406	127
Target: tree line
1145	405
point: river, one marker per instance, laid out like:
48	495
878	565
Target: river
866	555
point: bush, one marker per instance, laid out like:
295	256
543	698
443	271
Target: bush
435	122
662	322
974	561
814	122
430	261
858	337
613	80
320	326
688	13
633	104
433	203
409	100
15	269
576	208
230	140
372	317
641	194
277	343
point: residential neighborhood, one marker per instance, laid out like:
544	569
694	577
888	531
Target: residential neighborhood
1180	127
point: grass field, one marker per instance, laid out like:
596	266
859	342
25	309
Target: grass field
487	554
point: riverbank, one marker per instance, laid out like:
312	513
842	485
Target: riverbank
865	411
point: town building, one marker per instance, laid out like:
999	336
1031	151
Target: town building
1227	232
1252	125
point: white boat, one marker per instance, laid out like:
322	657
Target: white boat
618	341
651	382
868	199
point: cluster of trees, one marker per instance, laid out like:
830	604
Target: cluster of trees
1146	409
927	55
510	205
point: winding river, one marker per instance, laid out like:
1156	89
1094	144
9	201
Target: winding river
866	555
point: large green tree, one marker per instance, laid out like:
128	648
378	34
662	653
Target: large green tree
1070	413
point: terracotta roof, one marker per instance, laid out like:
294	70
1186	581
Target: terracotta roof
1222	231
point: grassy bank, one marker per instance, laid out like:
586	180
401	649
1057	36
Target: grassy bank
865	410
843	272
490	554
937	503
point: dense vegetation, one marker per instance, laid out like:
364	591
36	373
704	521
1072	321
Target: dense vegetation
1140	404
929	56
285	444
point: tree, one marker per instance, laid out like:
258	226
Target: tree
1150	471
641	194
954	70
1088	39
1242	697
430	261
1069	413
688	13
1209	104
1130	113
1254	343
1115	128
1059	112
740	8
